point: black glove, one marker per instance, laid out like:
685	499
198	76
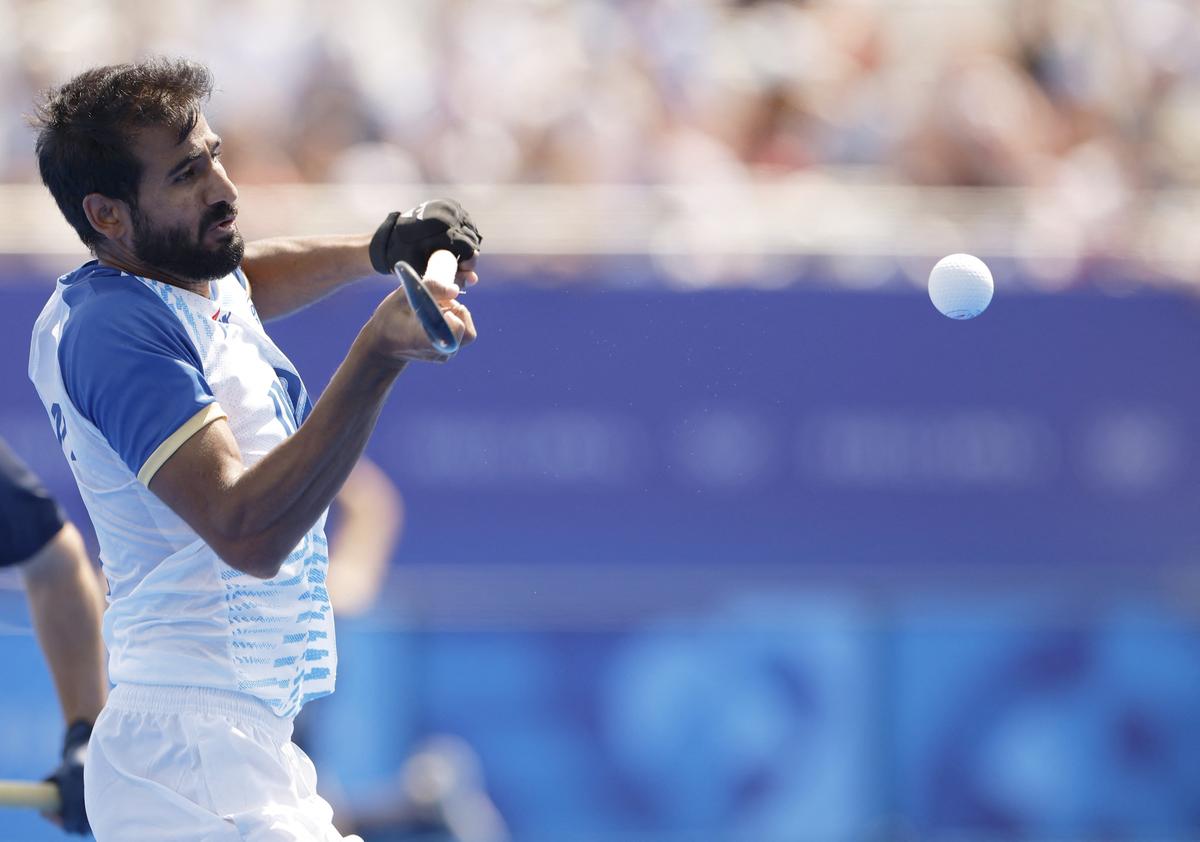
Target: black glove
68	777
414	235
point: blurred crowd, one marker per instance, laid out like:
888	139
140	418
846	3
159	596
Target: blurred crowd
1090	100
976	92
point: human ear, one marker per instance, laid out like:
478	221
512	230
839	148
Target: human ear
110	217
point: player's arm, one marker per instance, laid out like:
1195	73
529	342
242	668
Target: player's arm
289	273
255	517
66	603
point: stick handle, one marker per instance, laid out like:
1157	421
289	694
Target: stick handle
426	309
34	796
442	267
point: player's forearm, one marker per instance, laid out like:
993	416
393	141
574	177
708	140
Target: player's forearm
272	505
65	603
289	273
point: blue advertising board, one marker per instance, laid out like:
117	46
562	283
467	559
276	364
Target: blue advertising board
745	468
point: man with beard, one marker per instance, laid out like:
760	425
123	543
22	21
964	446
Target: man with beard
205	468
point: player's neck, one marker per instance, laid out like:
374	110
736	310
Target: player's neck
124	260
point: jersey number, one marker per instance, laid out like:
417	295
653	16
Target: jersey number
60	426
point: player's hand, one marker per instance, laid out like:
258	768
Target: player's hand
396	334
417	233
444	290
68	777
466	276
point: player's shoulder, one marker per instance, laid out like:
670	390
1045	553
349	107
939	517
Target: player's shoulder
111	316
101	301
95	289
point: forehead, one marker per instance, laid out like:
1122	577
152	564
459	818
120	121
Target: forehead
159	148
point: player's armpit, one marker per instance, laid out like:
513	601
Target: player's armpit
197	482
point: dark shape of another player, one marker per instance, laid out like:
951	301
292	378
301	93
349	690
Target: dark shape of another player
65	603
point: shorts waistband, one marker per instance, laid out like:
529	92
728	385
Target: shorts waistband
171	699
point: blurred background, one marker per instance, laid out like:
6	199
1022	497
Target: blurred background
720	532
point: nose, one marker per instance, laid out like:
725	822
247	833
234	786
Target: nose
222	188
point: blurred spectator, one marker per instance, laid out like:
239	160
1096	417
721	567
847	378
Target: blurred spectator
1085	102
989	92
370	518
438	797
438	794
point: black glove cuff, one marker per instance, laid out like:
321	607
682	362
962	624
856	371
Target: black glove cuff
379	243
78	734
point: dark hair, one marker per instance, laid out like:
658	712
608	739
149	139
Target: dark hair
86	129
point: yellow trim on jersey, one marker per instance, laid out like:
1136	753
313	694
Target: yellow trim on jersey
167	449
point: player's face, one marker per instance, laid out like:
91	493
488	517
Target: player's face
184	219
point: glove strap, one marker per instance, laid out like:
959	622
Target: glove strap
379	244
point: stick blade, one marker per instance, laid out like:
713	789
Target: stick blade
426	309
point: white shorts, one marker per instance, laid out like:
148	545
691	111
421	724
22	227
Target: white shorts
192	764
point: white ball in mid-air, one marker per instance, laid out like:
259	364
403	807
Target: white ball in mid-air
961	286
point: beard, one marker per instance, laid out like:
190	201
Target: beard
184	254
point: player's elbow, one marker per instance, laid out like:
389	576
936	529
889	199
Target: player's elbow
261	566
250	538
252	556
238	537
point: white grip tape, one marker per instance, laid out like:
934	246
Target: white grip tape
442	267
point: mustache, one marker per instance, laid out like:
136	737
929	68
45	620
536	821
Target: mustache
215	214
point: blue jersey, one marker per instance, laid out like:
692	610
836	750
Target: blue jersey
128	369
